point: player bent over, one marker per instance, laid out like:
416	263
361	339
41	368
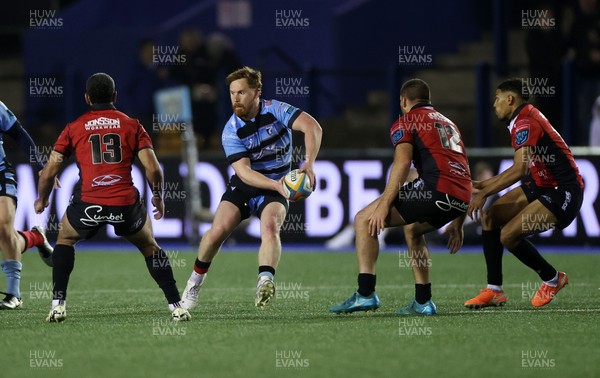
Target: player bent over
257	140
439	195
550	196
105	143
12	242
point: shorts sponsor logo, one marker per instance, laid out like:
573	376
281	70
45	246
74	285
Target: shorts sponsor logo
567	201
94	216
137	224
451	204
106	180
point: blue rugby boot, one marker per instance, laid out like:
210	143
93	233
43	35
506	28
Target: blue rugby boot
415	308
357	303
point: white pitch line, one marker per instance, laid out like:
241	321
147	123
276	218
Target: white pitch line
532	311
286	286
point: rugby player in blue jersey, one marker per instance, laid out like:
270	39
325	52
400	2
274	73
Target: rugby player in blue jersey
12	242
257	140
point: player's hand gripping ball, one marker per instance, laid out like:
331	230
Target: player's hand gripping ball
297	185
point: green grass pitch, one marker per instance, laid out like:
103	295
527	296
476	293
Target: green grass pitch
118	324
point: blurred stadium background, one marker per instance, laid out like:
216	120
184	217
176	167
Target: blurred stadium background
340	60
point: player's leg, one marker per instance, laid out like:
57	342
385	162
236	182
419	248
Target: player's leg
420	261
424	216
11	245
227	217
37	238
533	219
157	261
367	246
492	220
367	252
272	217
63	261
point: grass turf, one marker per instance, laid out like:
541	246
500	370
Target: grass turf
118	324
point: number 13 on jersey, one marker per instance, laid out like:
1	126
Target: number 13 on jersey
106	149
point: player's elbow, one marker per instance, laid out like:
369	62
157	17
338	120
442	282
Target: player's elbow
315	129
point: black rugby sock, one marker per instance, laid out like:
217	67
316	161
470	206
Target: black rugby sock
160	269
63	260
493	251
422	293
530	256
366	284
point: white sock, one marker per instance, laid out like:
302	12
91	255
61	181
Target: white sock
495	287
197	278
56	302
553	282
266	276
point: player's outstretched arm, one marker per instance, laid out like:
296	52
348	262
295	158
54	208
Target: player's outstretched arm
154	175
500	182
47	180
312	142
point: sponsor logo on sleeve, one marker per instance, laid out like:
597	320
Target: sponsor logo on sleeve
522	136
290	109
397	136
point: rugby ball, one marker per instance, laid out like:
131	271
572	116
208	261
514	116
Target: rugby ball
297	185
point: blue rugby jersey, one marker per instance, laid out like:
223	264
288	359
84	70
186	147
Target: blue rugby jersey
7	120
266	139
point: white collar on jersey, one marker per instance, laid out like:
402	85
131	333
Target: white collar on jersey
511	125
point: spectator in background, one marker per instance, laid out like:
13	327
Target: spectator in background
225	59
200	75
146	78
222	53
585	48
546	48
